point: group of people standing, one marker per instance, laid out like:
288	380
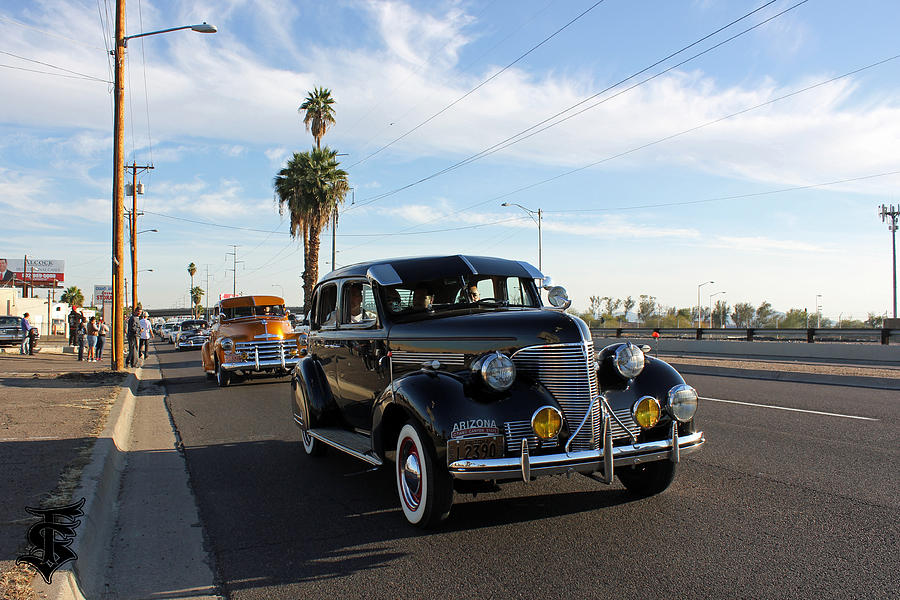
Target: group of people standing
87	334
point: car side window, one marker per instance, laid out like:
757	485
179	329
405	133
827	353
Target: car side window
358	304
326	307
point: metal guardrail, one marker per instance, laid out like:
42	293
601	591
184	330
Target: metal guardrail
883	336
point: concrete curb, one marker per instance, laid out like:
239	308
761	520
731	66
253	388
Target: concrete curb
879	383
99	486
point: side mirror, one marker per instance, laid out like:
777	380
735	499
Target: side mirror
547	282
558	297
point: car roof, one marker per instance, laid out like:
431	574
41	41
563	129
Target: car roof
392	271
250	301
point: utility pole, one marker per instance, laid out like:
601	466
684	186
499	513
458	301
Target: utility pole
118	208
132	222
233	253
890	215
206	316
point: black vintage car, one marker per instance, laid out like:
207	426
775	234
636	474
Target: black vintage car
451	369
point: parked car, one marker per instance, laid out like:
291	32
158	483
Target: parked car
451	368
11	330
251	336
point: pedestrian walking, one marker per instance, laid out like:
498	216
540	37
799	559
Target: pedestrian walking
101	338
131	334
26	339
144	324
81	337
74	320
92	331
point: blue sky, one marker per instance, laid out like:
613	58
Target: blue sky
664	206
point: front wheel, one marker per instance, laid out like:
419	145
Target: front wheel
648	479
223	377
424	485
311	445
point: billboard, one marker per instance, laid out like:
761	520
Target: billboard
40	271
102	294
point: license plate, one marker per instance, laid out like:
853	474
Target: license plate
475	448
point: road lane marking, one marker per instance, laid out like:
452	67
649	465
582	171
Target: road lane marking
812	412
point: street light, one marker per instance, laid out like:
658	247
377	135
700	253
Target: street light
531	214
699	321
890	215
711	296
118	199
818	311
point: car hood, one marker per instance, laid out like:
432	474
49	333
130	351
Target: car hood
502	330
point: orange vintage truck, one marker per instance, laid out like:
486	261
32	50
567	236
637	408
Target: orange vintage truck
251	335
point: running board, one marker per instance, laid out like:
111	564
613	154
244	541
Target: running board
356	445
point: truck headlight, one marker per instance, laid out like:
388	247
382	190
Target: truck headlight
682	402
227	344
497	370
629	360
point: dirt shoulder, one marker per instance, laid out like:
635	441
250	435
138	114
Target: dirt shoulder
52	410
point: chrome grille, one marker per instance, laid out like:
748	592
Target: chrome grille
273	350
566	370
516	431
630	430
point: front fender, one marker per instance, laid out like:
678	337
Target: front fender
311	397
441	401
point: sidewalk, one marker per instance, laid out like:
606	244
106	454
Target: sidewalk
53	408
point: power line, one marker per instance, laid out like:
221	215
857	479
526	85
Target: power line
45	32
721	198
666	138
483	83
84	75
496	147
86	78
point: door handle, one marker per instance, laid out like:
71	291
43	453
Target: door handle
332	346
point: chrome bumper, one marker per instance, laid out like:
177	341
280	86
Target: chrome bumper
261	365
589	461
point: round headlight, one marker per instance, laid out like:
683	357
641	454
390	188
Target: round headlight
646	412
227	344
683	402
498	371
629	360
558	297
546	423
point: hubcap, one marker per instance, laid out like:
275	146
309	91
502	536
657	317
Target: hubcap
410	474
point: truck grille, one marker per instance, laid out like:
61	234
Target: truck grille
567	371
273	350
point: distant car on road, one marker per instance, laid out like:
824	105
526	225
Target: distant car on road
451	368
191	326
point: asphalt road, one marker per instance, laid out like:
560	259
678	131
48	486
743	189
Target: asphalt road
778	504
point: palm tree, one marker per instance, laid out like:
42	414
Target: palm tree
191	269
196	297
312	186
319	113
73	296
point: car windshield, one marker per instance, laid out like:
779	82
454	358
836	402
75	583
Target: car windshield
7	321
421	299
188	325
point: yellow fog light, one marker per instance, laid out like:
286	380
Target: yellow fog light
646	412
546	423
